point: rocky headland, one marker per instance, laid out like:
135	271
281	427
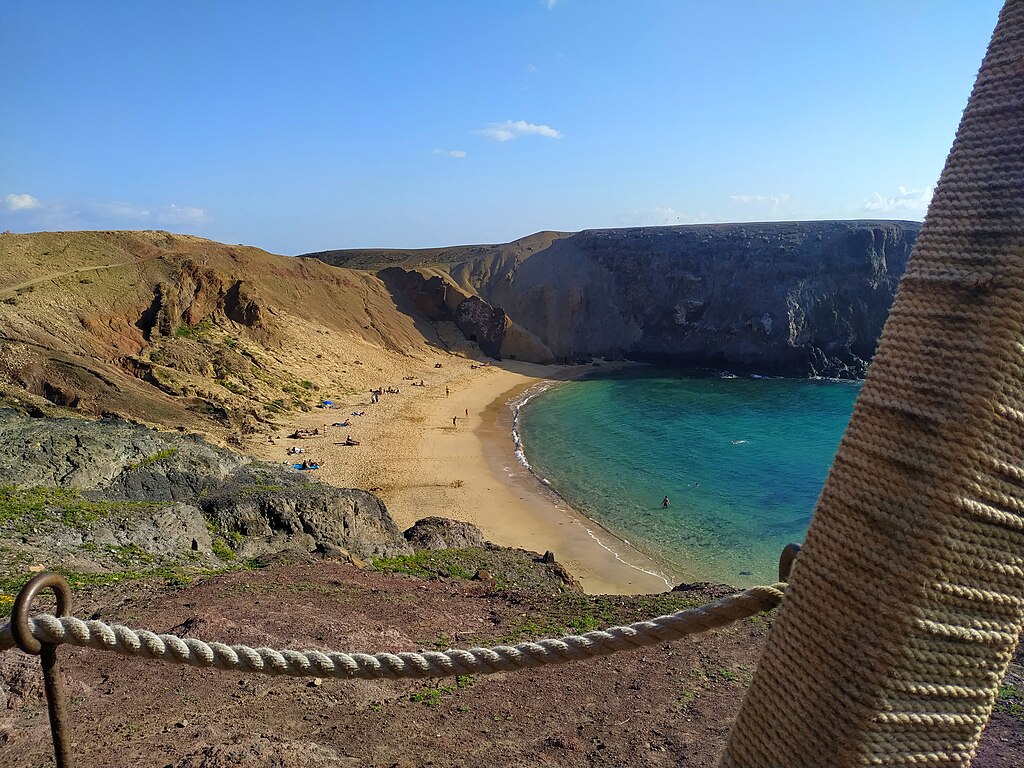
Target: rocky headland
788	298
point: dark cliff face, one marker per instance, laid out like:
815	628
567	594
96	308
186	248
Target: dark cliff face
793	298
783	298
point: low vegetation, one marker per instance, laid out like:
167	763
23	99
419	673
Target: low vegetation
23	508
1010	701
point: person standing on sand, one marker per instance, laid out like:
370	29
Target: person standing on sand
455	420
446	391
665	502
467	413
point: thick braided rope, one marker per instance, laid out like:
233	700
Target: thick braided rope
908	598
477	661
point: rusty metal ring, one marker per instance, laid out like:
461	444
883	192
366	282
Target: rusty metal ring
19	615
786	560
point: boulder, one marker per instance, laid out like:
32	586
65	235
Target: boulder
441	533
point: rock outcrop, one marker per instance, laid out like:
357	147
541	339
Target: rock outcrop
442	533
96	486
787	298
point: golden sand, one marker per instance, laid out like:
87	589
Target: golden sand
421	464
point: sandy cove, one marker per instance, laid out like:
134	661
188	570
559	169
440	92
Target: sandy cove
421	464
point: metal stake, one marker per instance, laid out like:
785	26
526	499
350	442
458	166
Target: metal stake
786	560
47	652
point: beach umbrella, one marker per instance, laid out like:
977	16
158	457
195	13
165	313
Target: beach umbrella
905	605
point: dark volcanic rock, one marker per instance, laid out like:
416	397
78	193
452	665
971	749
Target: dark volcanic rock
441	533
307	517
129	460
257	508
796	299
482	323
783	298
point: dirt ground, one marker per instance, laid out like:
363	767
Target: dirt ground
671	704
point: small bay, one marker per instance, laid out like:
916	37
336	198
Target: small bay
742	461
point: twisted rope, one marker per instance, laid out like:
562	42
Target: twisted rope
905	610
480	661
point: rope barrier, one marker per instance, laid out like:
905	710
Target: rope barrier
56	630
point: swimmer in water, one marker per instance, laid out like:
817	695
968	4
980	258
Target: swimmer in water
665	502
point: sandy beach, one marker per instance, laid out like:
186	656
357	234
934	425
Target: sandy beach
445	449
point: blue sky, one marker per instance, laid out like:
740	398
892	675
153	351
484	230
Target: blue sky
306	125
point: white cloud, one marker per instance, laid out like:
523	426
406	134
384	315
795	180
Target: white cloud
186	214
911	201
457	153
20	202
97	214
550	3
118	210
512	129
530	69
127	212
775	201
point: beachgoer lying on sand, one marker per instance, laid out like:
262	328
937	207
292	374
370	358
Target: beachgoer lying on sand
350	441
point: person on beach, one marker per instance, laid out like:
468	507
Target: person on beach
665	502
467	413
455	421
446	392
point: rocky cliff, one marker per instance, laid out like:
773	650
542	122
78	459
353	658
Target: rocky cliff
108	496
786	298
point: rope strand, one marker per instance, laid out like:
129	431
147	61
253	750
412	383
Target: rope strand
478	661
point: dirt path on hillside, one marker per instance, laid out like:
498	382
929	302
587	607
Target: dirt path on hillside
56	276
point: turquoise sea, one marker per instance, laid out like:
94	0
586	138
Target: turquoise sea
742	461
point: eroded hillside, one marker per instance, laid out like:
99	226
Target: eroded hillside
184	332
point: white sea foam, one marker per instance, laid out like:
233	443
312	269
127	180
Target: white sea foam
516	405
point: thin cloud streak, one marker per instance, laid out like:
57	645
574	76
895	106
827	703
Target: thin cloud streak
912	201
513	129
29	211
774	201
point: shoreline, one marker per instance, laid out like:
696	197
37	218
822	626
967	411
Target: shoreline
505	458
424	456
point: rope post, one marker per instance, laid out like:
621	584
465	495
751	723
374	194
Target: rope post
47	652
904	611
786	560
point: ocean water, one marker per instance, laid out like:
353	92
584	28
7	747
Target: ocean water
742	461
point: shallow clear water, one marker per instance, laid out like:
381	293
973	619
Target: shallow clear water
742	461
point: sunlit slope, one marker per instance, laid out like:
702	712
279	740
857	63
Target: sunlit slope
181	331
